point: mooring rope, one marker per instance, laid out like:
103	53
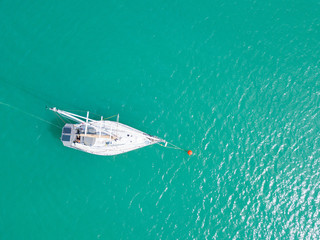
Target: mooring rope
172	146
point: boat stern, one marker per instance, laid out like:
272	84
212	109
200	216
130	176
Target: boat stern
68	135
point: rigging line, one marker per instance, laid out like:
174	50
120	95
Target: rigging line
73	110
30	114
68	110
60	117
68	120
110	117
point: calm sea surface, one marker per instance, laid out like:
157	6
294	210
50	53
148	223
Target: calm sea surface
237	82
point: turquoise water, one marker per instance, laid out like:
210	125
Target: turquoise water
235	81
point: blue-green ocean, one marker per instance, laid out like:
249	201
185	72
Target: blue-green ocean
237	82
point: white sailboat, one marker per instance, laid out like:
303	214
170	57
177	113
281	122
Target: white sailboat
102	137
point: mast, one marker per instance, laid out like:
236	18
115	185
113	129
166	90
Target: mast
117	123
85	131
100	126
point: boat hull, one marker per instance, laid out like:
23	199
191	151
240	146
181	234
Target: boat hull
105	138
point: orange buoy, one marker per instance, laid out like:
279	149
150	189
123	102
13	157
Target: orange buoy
189	152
